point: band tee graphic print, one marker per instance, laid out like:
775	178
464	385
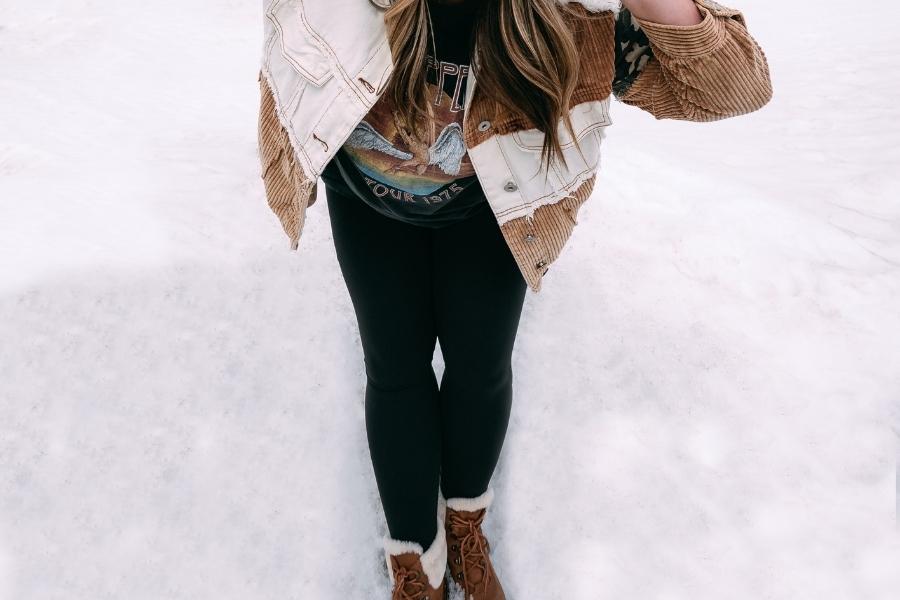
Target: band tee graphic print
397	164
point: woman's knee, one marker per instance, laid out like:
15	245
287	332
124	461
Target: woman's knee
482	375
396	369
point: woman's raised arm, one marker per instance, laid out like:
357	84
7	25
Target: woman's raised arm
689	70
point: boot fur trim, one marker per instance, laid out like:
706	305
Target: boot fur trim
434	560
472	504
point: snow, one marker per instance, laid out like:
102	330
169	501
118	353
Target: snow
706	388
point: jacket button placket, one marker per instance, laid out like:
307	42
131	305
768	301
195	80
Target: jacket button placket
532	238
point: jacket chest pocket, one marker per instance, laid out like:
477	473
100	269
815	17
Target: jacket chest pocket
589	121
296	41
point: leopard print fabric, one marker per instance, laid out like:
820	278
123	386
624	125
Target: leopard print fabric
633	51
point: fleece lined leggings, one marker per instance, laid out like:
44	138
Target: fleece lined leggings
411	286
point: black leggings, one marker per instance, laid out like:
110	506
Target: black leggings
410	286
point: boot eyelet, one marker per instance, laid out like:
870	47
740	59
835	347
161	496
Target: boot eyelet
457	561
453	547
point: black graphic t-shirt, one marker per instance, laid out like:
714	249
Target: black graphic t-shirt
430	181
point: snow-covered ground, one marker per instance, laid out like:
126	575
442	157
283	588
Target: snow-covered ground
706	388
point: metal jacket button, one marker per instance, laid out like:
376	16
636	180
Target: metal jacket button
541	264
510	186
529	237
484	126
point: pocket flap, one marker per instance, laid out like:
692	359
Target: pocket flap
586	117
297	44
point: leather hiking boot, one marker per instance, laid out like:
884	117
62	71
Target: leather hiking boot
417	574
468	552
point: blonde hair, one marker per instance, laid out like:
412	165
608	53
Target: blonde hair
527	62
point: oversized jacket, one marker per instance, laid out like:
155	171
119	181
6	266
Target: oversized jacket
326	62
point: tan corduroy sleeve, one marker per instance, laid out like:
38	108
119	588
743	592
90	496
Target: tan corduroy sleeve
288	191
705	72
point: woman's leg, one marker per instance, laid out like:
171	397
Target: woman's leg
479	293
387	267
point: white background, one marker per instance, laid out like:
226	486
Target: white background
704	389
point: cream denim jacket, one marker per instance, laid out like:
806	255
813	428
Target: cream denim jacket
326	62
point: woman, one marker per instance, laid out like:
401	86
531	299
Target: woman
449	198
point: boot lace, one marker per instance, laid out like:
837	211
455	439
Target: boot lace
473	547
407	585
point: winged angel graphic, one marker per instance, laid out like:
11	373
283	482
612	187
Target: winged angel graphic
446	152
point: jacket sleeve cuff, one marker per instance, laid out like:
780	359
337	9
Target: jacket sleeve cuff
686	41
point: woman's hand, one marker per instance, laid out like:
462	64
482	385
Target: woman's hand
666	12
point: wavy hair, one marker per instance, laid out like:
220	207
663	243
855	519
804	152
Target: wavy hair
527	61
